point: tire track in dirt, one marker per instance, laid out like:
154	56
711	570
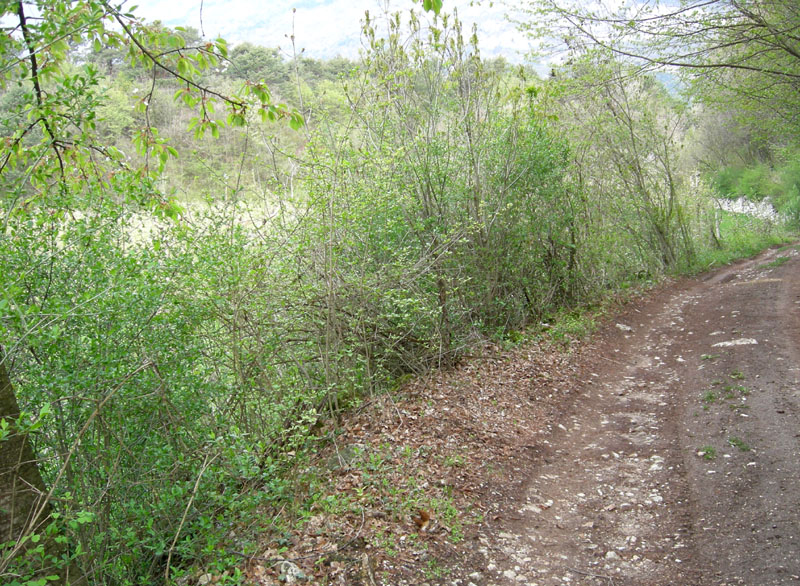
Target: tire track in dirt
618	493
747	499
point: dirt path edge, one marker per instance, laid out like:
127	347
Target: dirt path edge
676	459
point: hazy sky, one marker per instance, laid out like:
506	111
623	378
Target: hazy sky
325	28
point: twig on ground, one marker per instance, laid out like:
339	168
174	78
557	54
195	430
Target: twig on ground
593	575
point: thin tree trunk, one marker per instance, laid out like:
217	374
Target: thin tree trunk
21	485
22	490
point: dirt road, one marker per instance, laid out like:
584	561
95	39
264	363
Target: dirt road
679	460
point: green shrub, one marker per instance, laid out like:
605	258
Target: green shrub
755	182
725	182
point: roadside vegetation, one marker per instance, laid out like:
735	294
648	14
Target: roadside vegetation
200	284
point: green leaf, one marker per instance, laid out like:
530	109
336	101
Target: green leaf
435	5
236	119
296	121
176	41
85	517
189	99
222	47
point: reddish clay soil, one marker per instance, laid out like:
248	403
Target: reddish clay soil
663	450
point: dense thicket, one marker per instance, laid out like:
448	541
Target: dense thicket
173	358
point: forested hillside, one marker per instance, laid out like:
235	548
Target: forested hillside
211	255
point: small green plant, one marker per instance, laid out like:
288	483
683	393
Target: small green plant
775	263
709	398
734	391
386	542
434	570
450	516
375	462
509	340
709	356
334	504
572	326
707	452
738	443
455	461
737	374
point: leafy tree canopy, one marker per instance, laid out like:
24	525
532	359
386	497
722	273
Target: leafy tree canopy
250	61
52	140
745	52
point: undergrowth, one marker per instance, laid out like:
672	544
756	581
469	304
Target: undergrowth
741	237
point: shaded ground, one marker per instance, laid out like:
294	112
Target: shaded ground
666	450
